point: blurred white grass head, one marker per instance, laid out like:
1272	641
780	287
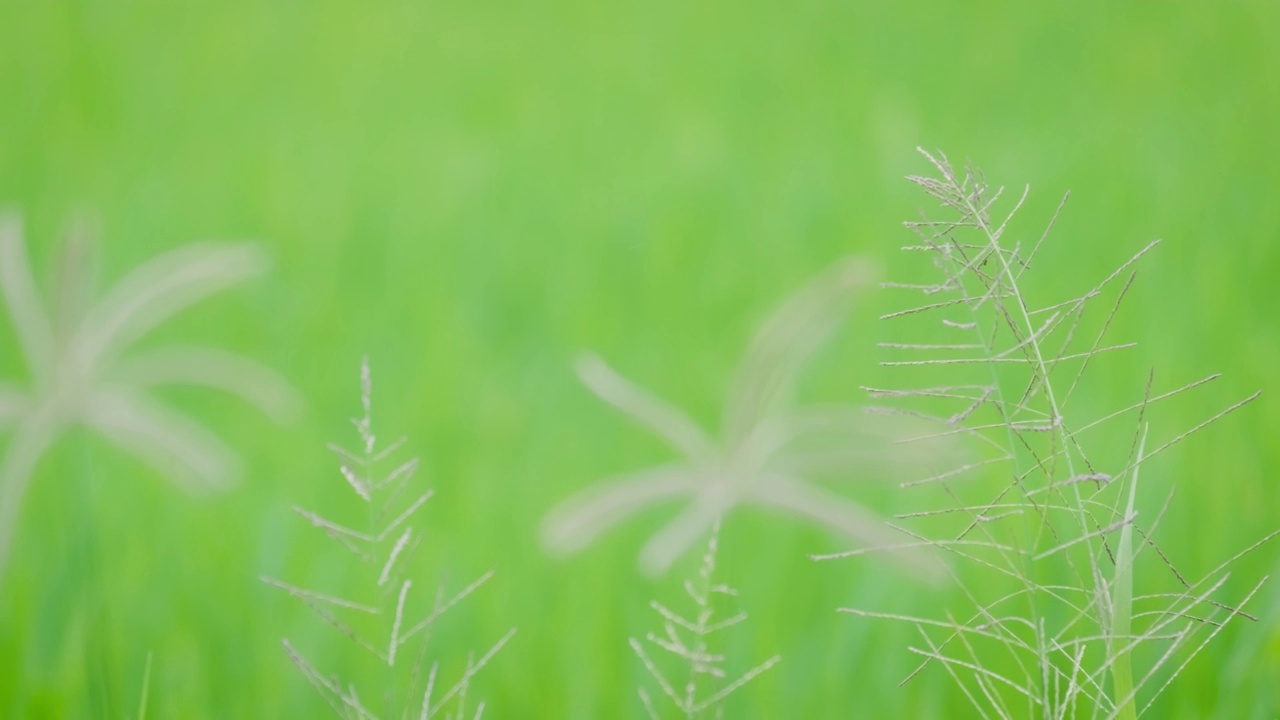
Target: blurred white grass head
767	452
84	369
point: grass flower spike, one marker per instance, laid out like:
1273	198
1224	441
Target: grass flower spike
398	623
688	639
84	368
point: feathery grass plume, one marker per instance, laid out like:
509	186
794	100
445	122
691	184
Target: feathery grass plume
85	371
768	452
1054	624
398	622
688	639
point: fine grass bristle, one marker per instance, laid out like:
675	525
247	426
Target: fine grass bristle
1047	528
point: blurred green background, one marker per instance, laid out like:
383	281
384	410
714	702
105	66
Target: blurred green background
471	193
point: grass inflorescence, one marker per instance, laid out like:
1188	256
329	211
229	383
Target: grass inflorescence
383	620
688	638
1047	530
86	369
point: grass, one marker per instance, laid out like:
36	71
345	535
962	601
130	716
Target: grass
146	690
472	194
1053	536
688	638
402	629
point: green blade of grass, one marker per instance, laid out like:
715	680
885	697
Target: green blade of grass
1122	604
146	689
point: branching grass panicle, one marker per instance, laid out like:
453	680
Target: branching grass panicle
689	640
1050	527
391	621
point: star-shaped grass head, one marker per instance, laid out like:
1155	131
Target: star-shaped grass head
767	453
85	369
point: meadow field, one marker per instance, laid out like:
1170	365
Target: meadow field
473	195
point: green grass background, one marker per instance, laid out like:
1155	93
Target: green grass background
473	192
